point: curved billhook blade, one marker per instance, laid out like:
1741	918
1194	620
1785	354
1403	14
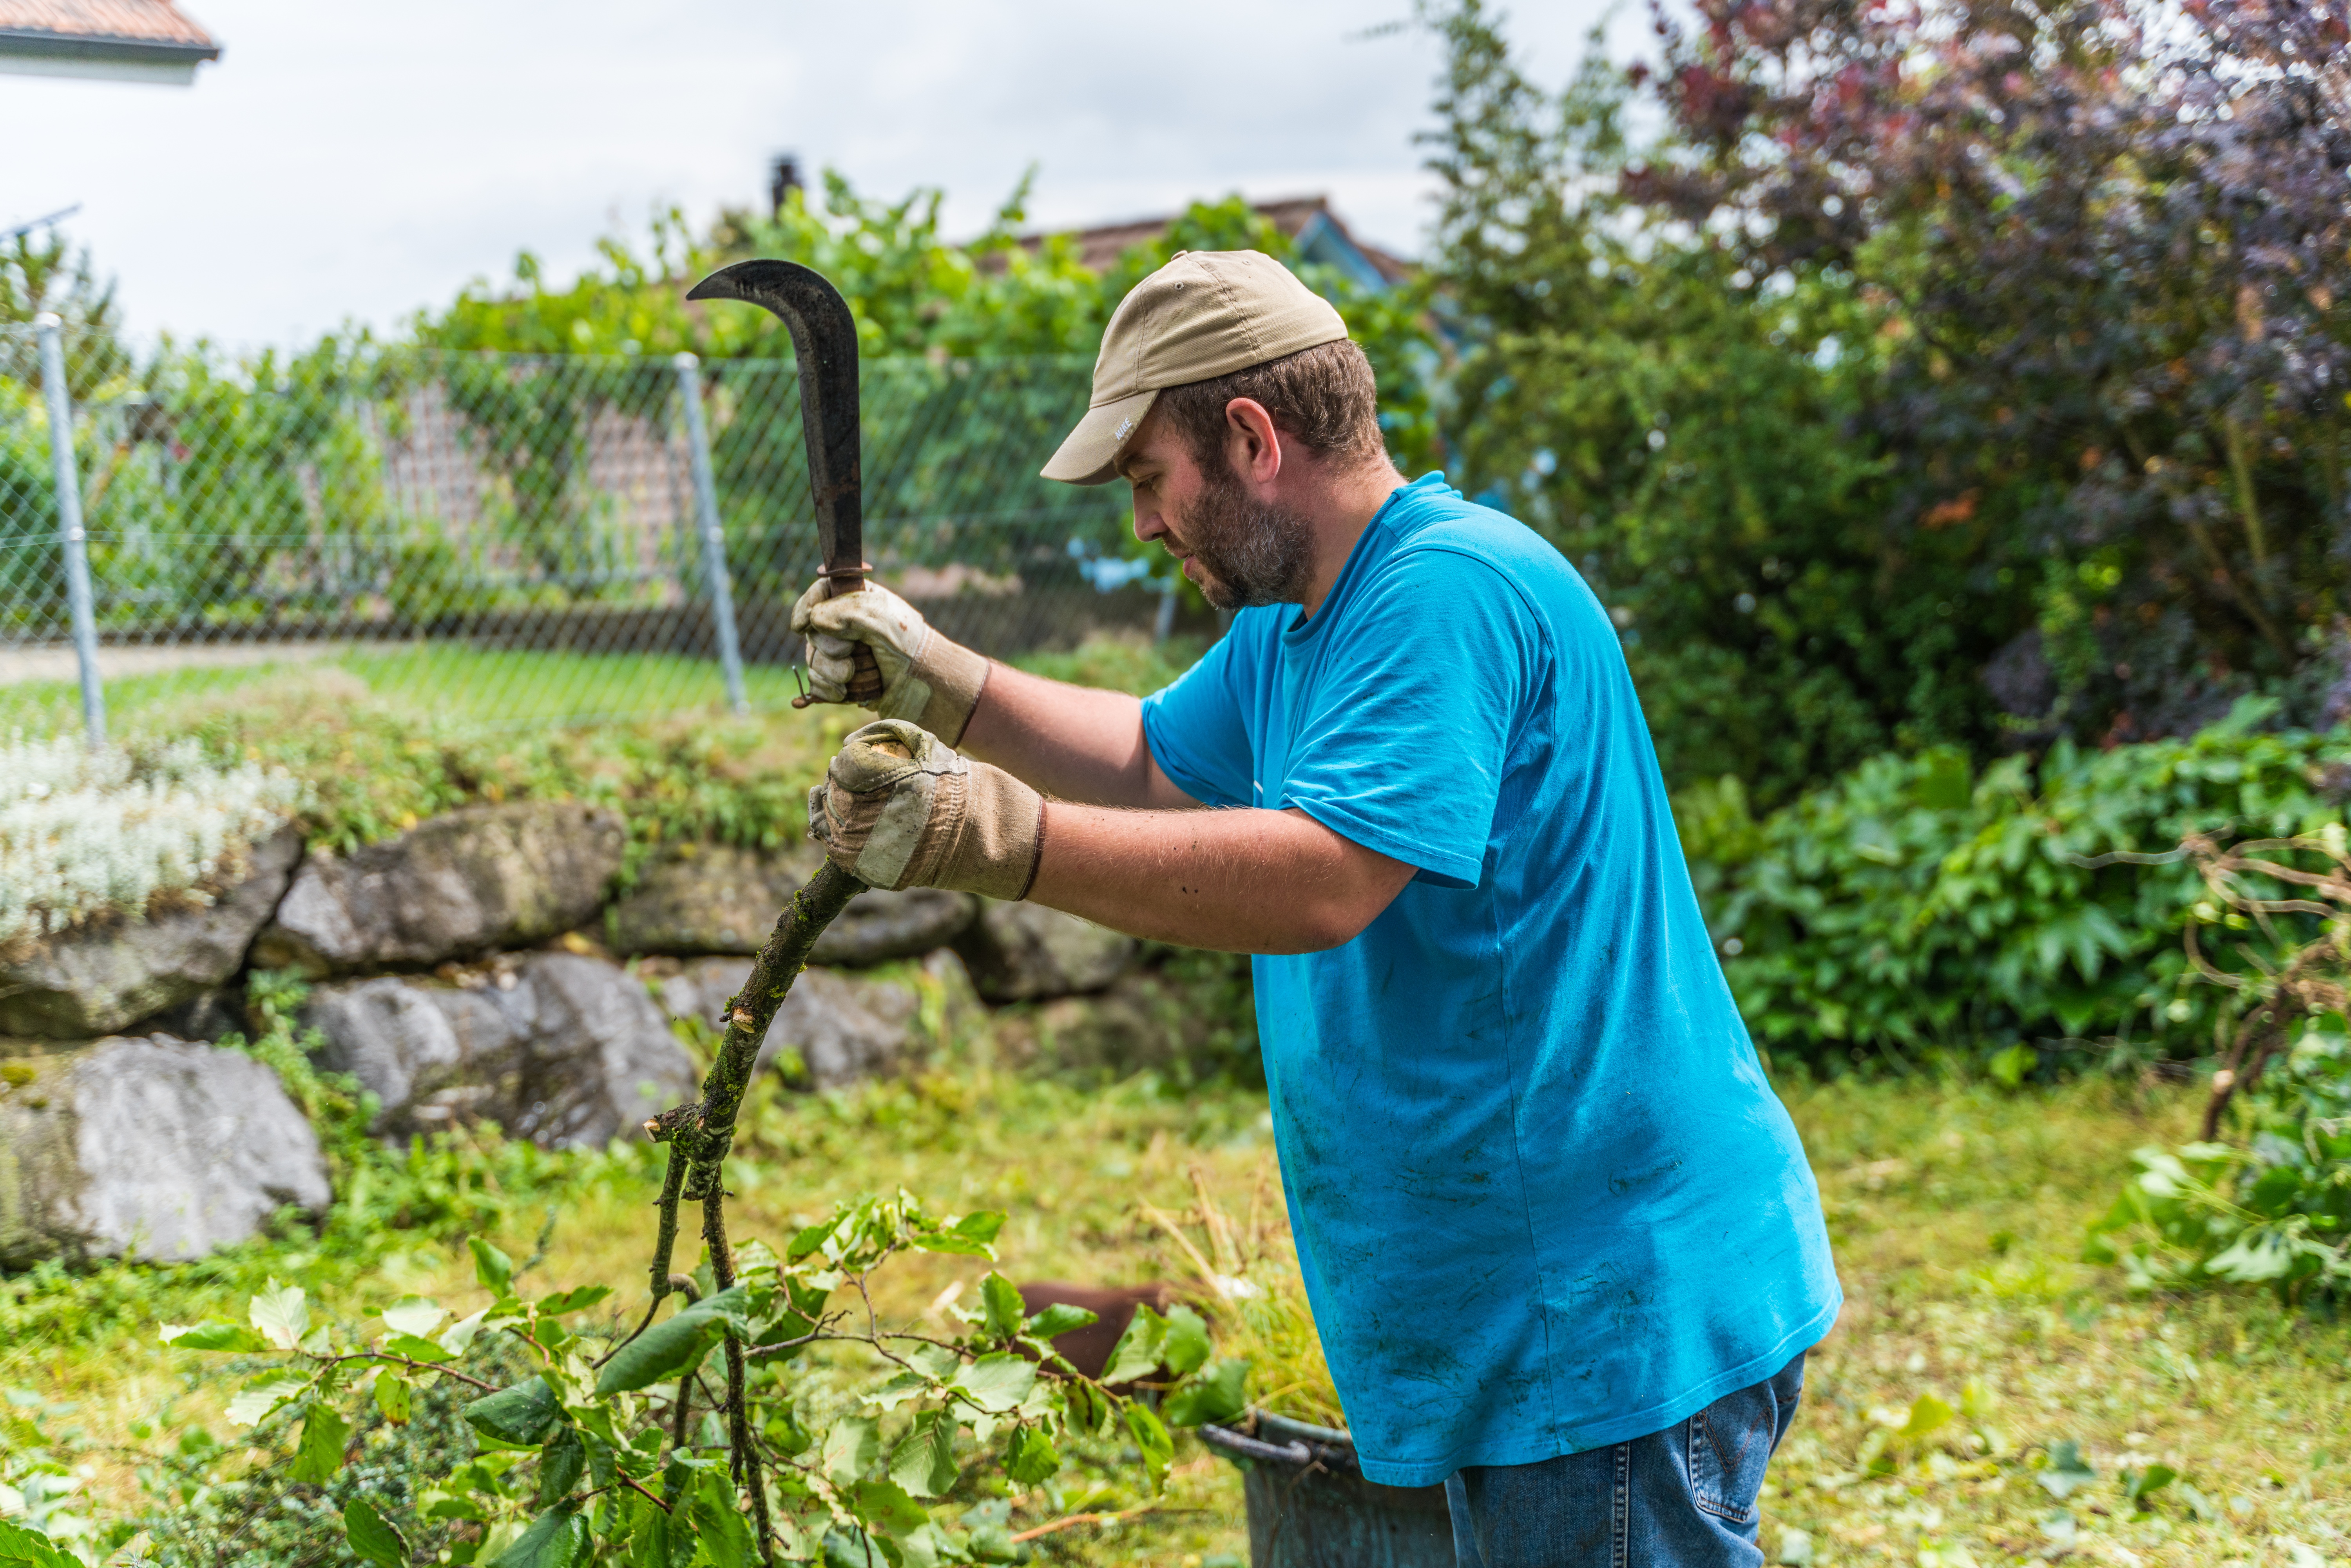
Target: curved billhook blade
824	336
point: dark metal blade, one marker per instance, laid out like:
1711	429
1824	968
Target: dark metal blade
824	336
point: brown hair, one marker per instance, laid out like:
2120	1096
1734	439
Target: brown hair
1323	398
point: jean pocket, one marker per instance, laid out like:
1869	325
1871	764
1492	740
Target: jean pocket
1730	1443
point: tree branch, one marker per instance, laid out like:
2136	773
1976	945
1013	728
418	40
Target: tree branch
700	1134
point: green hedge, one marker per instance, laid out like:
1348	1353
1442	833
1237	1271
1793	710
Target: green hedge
1914	907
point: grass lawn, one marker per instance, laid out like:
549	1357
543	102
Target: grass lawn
1957	1211
457	683
516	687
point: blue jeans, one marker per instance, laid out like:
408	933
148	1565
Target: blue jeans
1682	1497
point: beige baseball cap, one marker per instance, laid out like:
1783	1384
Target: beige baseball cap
1207	313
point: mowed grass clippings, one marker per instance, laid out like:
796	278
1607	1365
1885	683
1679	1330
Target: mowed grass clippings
1957	1217
1957	1213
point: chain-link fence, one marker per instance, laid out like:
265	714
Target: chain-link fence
519	538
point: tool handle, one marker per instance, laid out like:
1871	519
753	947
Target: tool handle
865	673
865	683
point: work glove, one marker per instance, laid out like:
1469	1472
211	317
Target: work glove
900	808
925	678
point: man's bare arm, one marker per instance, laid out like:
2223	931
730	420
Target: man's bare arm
1243	880
1074	742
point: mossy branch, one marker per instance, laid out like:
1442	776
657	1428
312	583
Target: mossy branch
700	1134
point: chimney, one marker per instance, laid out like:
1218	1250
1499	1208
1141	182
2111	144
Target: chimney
784	175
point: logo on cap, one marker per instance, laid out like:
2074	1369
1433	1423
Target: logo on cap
1123	426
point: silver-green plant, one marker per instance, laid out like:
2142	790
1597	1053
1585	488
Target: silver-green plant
86	833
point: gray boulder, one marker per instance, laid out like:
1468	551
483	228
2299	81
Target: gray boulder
151	1148
714	898
836	1027
477	879
559	1048
878	927
90	982
1026	952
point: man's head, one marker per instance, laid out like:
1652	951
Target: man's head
1230	397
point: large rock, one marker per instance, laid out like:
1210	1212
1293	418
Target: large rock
559	1048
90	982
485	877
151	1148
1145	1021
714	898
878	927
831	1028
1026	952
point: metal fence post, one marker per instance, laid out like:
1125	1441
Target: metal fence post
69	528
714	541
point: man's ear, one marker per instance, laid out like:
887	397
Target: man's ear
1251	441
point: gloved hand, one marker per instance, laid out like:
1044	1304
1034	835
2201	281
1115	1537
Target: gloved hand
924	678
899	807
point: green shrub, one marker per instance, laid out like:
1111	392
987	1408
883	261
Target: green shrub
2273	1209
1915	908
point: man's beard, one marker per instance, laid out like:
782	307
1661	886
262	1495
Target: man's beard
1250	551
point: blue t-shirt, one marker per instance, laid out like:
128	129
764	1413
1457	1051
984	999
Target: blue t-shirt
1543	1196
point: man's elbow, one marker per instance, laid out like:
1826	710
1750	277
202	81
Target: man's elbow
1336	920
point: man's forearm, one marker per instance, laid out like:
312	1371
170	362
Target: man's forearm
1074	742
1242	881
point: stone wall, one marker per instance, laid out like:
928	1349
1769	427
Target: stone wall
483	966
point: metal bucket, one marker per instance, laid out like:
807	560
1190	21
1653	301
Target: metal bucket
1309	1506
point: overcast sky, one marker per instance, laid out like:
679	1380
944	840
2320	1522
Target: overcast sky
358	161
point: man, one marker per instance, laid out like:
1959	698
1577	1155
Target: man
1562	1244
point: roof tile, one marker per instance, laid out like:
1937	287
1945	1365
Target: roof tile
140	21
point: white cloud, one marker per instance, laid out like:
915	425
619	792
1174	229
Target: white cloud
347	162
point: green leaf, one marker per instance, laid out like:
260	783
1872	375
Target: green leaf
414	1349
281	1314
2140	1485
560	1465
393	1397
373	1538
23	1548
1089	1407
493	1268
2068	1472
2009	1066
850	1446
1003	1306
996	1383
263	1395
214	1335
557	1540
1030	1457
1217	1393
886	1504
925	1463
1186	1346
522	1415
670	1346
717	1518
573	1300
458	1337
1058	1320
319	1455
1136	1355
414	1315
973	1236
1927	1413
1151	1437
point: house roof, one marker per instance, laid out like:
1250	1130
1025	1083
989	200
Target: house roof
136	40
1307	220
